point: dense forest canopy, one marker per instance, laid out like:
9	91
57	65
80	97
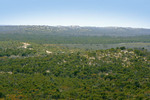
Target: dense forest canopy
45	62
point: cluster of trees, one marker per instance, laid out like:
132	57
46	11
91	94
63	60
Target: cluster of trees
76	76
16	52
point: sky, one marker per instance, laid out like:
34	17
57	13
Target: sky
99	13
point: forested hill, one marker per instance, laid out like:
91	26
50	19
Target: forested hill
73	63
74	30
30	71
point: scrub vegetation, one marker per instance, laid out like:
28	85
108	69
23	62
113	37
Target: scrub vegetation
49	66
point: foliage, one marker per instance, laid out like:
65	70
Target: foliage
44	62
95	74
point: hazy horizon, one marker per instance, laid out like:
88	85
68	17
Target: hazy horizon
81	26
84	13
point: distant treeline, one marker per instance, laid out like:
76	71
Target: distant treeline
57	39
75	30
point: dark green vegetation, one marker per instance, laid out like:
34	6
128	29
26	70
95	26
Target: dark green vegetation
49	69
73	35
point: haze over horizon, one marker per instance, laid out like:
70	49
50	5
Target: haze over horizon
99	13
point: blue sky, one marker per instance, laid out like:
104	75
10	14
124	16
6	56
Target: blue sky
102	13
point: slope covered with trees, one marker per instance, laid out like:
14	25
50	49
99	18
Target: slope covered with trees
91	63
48	71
